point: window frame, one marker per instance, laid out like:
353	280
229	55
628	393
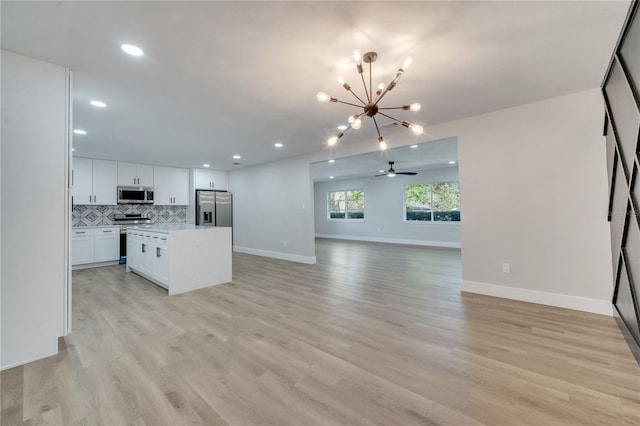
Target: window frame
432	221
346	208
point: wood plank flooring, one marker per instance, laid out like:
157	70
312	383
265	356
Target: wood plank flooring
373	334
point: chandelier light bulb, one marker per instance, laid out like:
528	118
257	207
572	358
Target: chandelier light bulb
323	97
332	140
382	144
357	123
357	56
417	129
341	80
407	63
351	118
415	107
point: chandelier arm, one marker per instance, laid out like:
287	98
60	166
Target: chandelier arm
400	107
388	116
349	103
358	97
365	88
370	84
377	129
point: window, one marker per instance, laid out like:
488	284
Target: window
346	204
432	202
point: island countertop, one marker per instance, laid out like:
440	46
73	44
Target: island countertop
165	228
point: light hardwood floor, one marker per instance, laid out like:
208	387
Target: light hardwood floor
371	334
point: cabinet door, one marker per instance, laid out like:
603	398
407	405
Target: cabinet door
180	186
127	174
203	179
145	175
107	245
82	250
219	179
161	264
82	181
162	186
105	182
131	250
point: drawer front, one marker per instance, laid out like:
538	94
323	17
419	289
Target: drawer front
82	233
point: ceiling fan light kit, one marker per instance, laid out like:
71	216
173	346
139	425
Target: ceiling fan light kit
370	104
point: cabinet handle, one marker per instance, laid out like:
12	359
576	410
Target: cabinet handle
94	198
80	232
107	231
157	251
143	250
90	196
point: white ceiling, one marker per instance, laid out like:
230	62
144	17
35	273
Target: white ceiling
425	156
225	78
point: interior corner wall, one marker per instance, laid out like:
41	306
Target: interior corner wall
384	212
534	195
273	210
33	178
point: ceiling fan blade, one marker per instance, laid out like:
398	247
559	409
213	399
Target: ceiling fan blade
407	173
384	174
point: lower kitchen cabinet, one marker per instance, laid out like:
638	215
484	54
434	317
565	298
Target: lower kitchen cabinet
95	245
148	254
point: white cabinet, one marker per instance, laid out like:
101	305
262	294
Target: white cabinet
107	244
95	245
135	174
95	181
171	186
82	246
210	179
148	254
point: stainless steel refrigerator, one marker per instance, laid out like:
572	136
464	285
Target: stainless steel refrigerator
214	208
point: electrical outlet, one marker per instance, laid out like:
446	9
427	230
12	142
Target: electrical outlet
506	268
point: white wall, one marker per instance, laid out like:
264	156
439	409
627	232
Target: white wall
34	207
273	210
533	194
384	211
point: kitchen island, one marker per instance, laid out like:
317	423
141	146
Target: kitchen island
180	257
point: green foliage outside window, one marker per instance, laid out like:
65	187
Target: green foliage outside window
439	201
346	204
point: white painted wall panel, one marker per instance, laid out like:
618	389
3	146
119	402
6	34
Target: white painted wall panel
34	167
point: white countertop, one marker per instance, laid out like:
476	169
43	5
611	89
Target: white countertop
169	227
96	227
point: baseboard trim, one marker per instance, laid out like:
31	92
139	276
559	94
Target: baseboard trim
95	265
447	244
310	260
585	304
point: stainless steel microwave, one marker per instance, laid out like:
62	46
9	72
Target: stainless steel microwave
135	195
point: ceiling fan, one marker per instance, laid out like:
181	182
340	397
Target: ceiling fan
391	172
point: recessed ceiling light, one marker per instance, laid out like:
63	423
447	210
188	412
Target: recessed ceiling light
132	50
413	146
236	157
331	177
332	161
278	145
79	132
452	162
206	165
98	104
342	127
381	171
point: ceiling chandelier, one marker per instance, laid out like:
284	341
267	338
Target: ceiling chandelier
370	105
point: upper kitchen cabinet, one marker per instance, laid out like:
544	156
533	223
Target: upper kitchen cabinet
135	174
171	186
210	179
95	181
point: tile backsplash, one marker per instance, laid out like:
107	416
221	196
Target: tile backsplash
103	215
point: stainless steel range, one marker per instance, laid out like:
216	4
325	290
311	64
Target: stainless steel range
126	221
